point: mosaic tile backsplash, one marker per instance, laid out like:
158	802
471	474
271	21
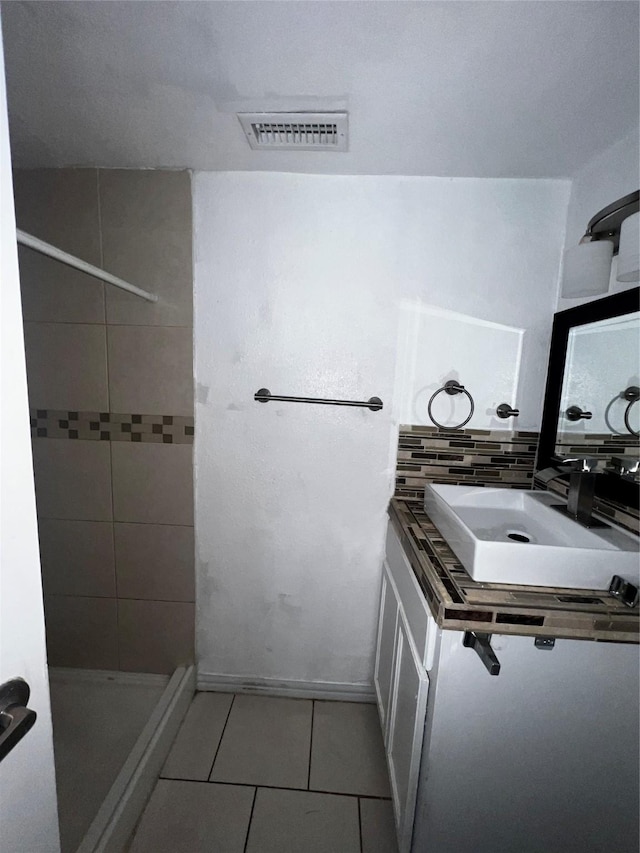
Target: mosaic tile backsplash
463	457
111	426
598	445
481	458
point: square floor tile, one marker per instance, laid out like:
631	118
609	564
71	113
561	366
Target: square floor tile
347	754
155	636
66	366
77	557
266	742
73	479
147	239
59	206
377	827
81	631
194	817
197	742
152	483
155	561
303	822
162	379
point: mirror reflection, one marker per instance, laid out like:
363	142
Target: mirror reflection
600	403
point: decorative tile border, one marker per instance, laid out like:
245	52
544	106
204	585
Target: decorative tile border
605	445
460	603
463	457
111	426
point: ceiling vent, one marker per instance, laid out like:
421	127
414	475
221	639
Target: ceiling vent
303	131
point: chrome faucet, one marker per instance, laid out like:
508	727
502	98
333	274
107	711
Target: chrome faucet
582	486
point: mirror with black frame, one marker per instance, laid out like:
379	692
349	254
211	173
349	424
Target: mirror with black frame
592	399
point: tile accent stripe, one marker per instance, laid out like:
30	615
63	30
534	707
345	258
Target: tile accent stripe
460	603
463	457
597	444
111	426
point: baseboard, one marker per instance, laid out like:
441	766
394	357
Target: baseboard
332	690
128	795
98	676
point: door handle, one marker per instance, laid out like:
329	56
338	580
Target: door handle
15	718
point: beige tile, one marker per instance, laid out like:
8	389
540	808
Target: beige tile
81	632
266	742
60	206
377	826
73	479
53	292
347	754
155	561
151	369
147	239
303	822
67	366
77	557
189	817
152	483
197	742
155	636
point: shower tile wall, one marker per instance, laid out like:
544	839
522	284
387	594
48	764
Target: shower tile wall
111	395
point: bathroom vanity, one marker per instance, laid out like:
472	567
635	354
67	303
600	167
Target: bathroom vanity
540	758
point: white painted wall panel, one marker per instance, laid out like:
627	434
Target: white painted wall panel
303	284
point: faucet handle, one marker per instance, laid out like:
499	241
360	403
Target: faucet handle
583	464
624	466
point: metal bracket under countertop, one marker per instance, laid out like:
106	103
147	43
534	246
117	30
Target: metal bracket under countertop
481	644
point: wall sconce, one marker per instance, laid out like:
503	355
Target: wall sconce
613	230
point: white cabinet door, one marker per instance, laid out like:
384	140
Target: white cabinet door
385	650
406	729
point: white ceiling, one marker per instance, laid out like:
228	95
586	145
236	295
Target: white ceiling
484	89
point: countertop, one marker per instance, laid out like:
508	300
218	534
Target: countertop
459	603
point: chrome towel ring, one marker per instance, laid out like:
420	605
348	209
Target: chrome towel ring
452	387
632	394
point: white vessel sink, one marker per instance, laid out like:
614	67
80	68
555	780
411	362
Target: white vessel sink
514	536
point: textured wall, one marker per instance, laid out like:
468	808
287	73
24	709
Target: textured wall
111	398
302	284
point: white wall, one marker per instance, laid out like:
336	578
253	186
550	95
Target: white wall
309	285
28	805
613	173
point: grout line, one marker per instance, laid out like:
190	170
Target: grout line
360	824
108	378
101	248
121	598
313	707
101	323
112	521
253	805
280	788
224	728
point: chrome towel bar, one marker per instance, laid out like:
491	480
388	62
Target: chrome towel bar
264	396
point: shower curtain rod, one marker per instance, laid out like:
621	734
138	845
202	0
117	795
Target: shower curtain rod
83	266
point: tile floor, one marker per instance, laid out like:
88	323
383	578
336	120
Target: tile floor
97	717
257	774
